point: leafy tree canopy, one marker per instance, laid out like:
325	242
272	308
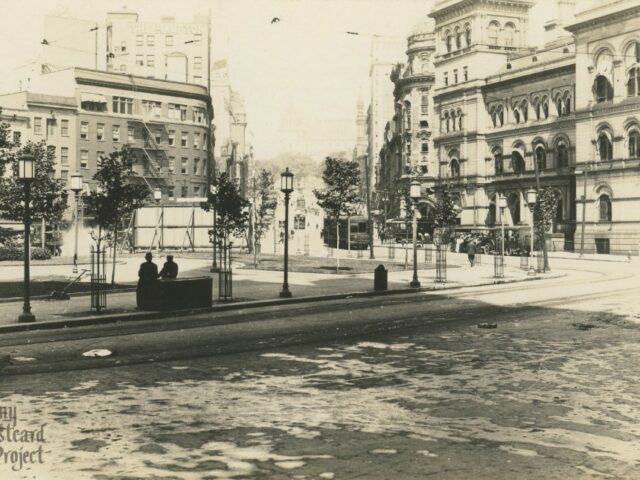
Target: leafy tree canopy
231	208
341	195
301	165
264	197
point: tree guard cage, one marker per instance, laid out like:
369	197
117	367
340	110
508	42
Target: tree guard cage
498	266
441	263
98	279
225	275
428	254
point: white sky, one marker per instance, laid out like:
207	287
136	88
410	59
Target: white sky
306	59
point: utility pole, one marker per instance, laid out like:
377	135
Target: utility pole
368	193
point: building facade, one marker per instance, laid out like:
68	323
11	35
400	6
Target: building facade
85	114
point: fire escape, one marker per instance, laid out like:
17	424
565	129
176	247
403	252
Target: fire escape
155	169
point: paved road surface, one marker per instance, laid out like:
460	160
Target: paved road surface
551	392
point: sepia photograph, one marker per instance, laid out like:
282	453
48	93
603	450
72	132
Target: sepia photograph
320	240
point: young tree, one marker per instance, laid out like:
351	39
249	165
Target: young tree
340	196
48	195
231	210
445	215
117	196
264	199
543	214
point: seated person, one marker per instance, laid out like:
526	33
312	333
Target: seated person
169	269
147	277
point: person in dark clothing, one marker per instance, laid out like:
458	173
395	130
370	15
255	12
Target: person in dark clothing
147	278
169	269
471	252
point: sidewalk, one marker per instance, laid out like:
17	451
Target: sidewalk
252	285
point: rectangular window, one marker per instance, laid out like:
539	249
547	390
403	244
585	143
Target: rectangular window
84	130
196	140
130	134
64	174
184	165
139	40
151	60
184	139
115	133
424	148
172	138
197	63
196	190
183	113
84	158
199	115
37	126
140	60
465	73
424	105
151	107
51	127
158	137
455	75
168	40
64	128
123	105
100	131
16	138
51	151
64	156
446	79
151	40
172	193
196	166
184	191
172	164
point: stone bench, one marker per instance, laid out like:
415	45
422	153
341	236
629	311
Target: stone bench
177	294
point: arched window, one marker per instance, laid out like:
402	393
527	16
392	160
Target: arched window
524	106
545	108
458	34
603	89
516	114
459	115
446	121
454	168
498	162
604	207
509	34
605	146
634	143
633	82
632	63
453	121
517	162
559	105
559	210
493	32
541	158
494	116
467	35
407	115
567	103
500	116
562	155
536	107
448	40
513	202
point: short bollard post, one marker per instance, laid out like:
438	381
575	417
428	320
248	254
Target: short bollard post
380	279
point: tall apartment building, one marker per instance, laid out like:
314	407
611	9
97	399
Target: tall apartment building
169	50
85	114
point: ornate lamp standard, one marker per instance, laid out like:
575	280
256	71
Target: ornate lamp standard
213	191
502	203
26	174
76	188
286	187
531	200
415	194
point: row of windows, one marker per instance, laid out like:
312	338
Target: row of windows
127	106
51	127
461	37
158	136
518	165
198	166
504	36
168	41
452	121
604	144
539	108
455	78
151	61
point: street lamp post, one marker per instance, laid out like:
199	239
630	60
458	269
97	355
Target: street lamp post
286	187
502	203
213	190
531	200
26	174
415	193
76	187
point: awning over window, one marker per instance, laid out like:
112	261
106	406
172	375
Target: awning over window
92	97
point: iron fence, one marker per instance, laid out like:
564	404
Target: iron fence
478	259
225	284
98	279
428	254
540	264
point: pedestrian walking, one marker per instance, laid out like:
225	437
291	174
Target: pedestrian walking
471	252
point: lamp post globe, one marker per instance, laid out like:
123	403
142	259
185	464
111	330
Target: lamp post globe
286	187
531	200
26	174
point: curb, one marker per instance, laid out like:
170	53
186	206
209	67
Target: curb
139	316
73	294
